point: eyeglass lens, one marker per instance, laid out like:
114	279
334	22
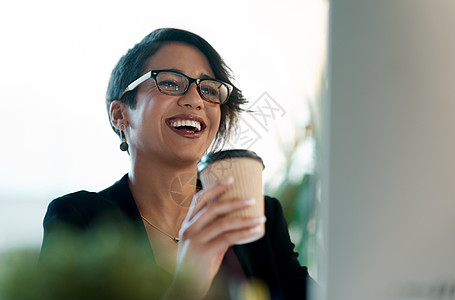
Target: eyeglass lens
176	84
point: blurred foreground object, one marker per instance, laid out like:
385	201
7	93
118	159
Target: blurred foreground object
103	264
387	153
99	265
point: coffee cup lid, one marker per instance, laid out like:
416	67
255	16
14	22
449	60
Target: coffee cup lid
215	156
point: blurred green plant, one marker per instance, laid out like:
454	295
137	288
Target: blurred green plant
103	264
299	201
299	190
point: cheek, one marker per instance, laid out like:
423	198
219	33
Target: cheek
218	113
151	108
215	118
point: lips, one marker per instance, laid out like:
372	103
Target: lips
189	126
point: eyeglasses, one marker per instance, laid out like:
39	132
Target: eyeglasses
175	83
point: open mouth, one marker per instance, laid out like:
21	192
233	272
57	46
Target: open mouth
186	124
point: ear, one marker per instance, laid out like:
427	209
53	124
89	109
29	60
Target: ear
118	114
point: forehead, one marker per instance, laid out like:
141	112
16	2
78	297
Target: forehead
180	56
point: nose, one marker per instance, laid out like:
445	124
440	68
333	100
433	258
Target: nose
192	98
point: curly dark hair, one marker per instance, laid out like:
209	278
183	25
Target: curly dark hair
133	64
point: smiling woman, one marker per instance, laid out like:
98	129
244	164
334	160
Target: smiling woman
168	124
153	141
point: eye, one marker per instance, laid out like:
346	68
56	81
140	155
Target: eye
210	88
170	85
209	91
171	82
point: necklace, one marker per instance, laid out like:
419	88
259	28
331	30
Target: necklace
175	239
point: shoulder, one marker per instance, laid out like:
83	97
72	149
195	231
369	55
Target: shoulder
78	200
76	208
276	224
83	208
273	208
74	200
271	203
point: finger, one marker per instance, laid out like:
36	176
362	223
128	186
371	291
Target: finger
214	210
227	225
210	213
207	195
231	238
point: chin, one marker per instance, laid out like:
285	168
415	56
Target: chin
189	157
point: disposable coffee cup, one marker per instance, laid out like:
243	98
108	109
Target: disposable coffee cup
246	168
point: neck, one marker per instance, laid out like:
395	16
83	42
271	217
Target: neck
163	191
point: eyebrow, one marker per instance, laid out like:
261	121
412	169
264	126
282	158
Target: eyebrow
201	75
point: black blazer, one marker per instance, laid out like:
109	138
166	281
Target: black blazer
271	258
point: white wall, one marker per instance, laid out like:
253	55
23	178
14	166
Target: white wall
388	152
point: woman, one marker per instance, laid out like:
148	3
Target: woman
169	98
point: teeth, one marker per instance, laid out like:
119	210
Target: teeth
191	123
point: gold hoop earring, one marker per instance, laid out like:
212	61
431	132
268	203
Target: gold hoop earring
123	145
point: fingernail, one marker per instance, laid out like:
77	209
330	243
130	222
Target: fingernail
227	181
249	201
261	219
256	229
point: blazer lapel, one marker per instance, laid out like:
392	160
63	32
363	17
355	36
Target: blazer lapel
120	194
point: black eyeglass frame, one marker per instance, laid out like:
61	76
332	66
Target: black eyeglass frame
153	73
